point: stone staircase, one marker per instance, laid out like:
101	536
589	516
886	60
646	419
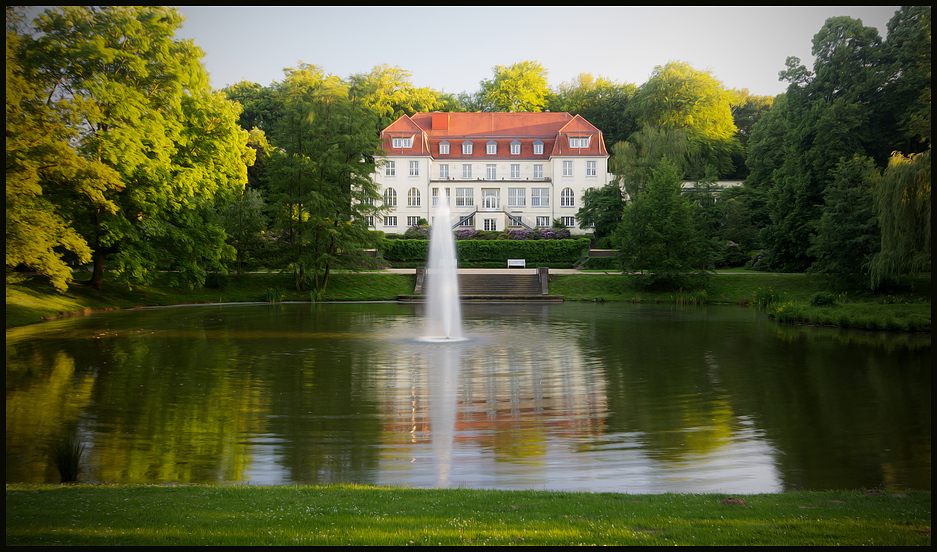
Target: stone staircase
492	287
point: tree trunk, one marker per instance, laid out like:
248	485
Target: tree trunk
97	276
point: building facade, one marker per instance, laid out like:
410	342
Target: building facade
499	170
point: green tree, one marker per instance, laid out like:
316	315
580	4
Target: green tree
43	171
658	234
908	50
142	108
388	92
847	233
244	220
602	209
678	97
602	102
521	87
320	174
632	162
903	203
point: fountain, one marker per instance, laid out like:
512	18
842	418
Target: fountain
443	311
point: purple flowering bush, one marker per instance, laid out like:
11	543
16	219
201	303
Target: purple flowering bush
539	234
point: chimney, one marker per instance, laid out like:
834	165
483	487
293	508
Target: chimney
440	121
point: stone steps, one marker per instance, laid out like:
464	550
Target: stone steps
493	287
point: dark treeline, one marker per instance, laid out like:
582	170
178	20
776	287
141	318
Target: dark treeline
836	170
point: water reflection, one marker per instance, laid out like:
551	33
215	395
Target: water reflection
583	397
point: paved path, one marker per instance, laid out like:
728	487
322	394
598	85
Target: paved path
528	270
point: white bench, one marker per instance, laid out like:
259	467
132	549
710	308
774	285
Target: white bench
522	263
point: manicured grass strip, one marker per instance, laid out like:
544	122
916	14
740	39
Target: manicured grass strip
341	515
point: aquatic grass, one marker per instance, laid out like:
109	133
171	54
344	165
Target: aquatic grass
385	516
864	316
66	457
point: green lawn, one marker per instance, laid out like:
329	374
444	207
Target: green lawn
139	515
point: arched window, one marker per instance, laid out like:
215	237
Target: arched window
567	198
413	198
390	197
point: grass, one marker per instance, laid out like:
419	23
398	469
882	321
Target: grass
66	456
344	514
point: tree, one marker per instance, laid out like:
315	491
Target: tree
602	209
145	120
633	162
42	168
678	97
521	87
908	50
903	203
658	233
602	102
388	92
320	174
847	233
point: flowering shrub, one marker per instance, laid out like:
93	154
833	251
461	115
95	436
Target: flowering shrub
539	234
417	233
466	234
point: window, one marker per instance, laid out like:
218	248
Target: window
517	197
466	148
491	198
567	198
402	142
390	221
514	221
444	148
370	220
491	147
444	171
590	168
581	142
491	225
538	171
435	194
390	168
463	197
466	171
568	222
515	148
413	198
515	170
390	197
540	197
543	222
490	172
567	168
367	200
538	148
413	221
414	168
468	221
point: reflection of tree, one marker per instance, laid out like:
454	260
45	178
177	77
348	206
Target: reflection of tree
44	397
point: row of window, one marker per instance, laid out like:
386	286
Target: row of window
491	197
491	147
491	170
490	224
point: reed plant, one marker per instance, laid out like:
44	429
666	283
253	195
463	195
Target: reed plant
66	457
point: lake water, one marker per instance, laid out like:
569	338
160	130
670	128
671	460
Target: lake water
572	396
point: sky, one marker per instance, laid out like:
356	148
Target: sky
453	49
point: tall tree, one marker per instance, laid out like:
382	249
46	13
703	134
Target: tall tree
143	110
847	234
521	87
903	203
602	209
388	92
632	162
602	102
658	233
320	174
679	97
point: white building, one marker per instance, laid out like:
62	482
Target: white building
500	170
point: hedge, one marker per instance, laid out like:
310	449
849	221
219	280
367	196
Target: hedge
471	251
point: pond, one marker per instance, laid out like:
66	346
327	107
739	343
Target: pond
572	396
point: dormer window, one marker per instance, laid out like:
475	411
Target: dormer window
466	148
538	147
402	142
444	148
491	148
515	147
579	142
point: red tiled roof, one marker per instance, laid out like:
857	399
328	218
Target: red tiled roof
549	127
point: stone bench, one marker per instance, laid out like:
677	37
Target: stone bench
521	263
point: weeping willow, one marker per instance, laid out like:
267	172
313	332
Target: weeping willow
902	200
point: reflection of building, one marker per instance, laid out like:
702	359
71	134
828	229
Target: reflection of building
500	170
512	401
